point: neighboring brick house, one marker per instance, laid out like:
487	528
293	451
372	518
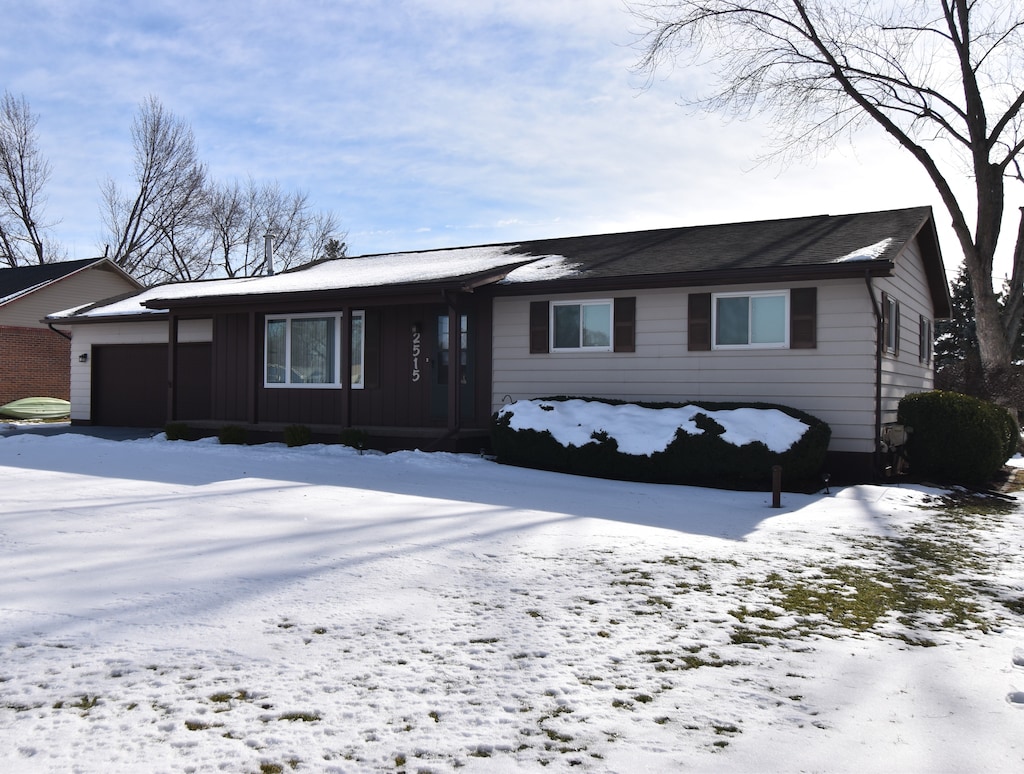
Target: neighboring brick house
35	356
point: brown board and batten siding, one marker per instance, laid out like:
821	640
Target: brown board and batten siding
395	393
232	367
832	380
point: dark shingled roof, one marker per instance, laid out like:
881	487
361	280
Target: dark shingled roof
768	244
22	278
769	251
790	249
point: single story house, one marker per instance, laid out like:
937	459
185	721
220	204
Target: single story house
829	314
35	354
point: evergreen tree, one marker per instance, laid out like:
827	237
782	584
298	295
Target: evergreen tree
956	339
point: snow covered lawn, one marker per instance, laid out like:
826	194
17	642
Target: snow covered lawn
167	606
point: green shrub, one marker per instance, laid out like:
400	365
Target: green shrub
1010	432
232	434
354	437
704	459
177	431
297	435
956	438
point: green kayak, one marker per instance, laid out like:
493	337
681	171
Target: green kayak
36	408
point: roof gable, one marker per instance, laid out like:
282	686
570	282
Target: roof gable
22	280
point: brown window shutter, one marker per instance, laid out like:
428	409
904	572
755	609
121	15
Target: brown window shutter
625	324
539	337
803	318
699	322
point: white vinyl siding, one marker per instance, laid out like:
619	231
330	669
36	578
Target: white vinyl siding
834	381
905	373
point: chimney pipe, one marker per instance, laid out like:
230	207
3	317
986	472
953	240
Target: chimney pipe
268	251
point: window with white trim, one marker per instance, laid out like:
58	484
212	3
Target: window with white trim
926	339
581	326
750	320
890	324
304	350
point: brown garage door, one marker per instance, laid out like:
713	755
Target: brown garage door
129	384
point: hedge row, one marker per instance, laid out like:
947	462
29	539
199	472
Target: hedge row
702	459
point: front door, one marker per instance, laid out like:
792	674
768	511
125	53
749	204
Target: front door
444	342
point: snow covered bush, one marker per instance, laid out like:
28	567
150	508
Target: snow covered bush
713	444
956	438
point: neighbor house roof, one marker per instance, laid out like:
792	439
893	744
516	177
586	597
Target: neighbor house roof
21	280
774	250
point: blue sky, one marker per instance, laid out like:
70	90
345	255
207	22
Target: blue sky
421	123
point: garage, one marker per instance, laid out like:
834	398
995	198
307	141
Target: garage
129	384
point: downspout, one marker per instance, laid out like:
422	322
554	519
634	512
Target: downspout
59	333
875	459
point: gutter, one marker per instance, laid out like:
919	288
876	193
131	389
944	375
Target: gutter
875	458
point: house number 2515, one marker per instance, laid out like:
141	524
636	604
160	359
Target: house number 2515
415	356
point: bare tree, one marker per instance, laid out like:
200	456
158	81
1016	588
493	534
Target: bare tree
234	229
157	229
23	174
240	215
941	77
176	224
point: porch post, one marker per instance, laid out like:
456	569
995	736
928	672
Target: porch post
172	366
254	367
454	367
346	366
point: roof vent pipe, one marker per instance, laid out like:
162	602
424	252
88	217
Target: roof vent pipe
268	251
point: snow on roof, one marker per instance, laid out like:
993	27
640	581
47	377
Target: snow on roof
364	272
869	253
549	267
